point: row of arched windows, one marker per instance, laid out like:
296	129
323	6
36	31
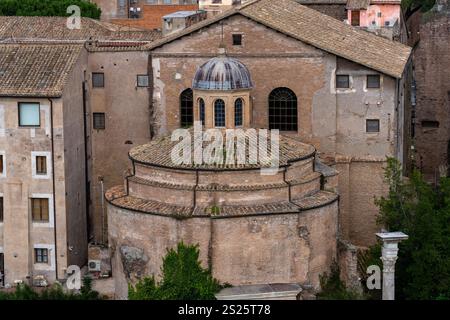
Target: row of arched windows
282	110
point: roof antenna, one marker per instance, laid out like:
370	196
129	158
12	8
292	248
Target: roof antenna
222	46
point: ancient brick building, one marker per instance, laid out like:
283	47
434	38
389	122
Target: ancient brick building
430	35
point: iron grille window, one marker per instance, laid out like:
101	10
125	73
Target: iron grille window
238	112
98	80
219	113
39	209
201	106
41	255
41	165
283	110
343	81
99	121
372	125
187	108
1	209
373	81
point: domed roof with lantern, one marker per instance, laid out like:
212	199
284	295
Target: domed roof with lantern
222	73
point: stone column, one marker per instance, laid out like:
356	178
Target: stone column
389	257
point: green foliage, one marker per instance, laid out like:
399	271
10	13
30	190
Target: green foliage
333	288
370	257
47	8
55	292
423	212
183	278
424	5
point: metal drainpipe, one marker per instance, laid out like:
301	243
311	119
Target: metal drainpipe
103	210
54	187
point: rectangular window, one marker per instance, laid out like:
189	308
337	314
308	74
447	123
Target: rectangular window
98	80
99	121
41	165
29	114
142	80
1	164
1	209
430	124
342	81
373	81
237	39
40	255
372	125
355	18
39	210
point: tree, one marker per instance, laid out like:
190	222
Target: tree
411	6
55	292
183	278
333	288
47	8
423	212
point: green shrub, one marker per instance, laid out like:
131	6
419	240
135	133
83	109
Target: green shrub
183	278
333	288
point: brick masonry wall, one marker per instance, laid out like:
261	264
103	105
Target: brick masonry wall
152	16
432	69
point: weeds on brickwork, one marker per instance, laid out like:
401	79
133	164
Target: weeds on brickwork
333	288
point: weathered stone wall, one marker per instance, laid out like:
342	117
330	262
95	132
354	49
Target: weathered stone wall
126	109
432	68
247	250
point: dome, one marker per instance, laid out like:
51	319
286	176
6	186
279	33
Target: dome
222	73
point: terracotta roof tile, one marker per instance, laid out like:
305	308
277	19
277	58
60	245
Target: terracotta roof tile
36	70
319	30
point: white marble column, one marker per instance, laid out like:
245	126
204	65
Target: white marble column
389	257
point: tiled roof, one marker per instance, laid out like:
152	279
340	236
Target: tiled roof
319	30
118	197
36	70
55	28
329	2
158	153
357	4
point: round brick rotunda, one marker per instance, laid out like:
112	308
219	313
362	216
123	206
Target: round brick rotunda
250	228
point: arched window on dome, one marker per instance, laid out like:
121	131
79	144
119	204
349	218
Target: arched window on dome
201	110
187	108
238	112
283	110
219	113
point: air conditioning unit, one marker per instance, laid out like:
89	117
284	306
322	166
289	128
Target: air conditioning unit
94	265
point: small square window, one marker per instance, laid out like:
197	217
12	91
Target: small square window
98	80
99	121
373	81
41	165
29	114
39	209
142	80
372	125
237	39
40	255
342	81
1	209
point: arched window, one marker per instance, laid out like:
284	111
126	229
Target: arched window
201	110
283	110
187	108
238	112
219	113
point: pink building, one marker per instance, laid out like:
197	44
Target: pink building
375	14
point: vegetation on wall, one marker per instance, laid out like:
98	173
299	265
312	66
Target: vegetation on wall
55	292
333	288
47	8
423	212
183	278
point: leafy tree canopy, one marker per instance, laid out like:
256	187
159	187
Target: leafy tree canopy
423	212
183	278
413	5
47	8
